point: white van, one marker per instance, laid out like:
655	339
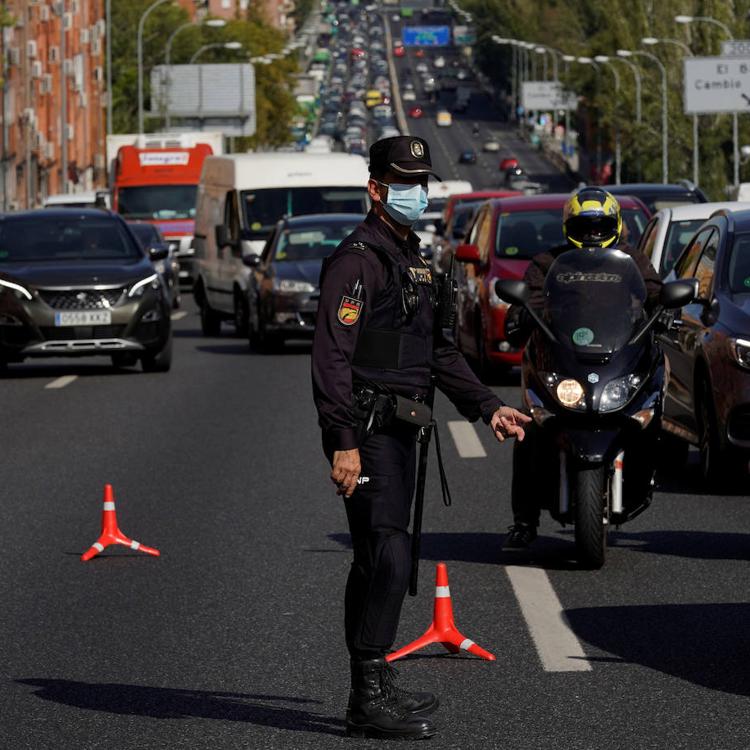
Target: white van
240	199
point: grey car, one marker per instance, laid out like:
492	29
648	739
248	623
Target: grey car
77	283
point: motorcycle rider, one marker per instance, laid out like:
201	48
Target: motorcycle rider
591	218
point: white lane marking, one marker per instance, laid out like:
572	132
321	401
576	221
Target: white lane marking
466	439
61	382
179	315
556	644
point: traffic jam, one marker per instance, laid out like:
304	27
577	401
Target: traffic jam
426	347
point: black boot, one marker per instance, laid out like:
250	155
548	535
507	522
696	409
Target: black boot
413	703
373	711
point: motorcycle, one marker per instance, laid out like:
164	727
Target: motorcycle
593	380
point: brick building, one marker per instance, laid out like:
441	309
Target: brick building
53	54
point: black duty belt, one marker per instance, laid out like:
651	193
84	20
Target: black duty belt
392	350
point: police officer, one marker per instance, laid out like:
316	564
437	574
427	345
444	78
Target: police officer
591	218
377	344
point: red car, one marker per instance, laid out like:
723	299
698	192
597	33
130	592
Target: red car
357	52
508	163
506	234
419	53
416	112
457	198
399	51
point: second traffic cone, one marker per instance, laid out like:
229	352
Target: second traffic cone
111	533
443	630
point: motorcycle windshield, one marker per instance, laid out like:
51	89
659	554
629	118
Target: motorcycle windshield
594	300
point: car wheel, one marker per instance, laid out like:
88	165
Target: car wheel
241	315
713	462
159	362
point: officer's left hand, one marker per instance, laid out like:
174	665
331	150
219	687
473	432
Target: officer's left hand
507	422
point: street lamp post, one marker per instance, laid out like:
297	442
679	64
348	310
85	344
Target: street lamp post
638	108
514	87
735	125
540	50
650	40
215	45
139	45
664	112
590	61
618	149
214	23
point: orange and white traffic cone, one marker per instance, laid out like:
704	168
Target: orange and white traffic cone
443	630
111	533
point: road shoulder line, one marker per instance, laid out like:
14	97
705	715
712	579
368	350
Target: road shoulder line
466	439
61	382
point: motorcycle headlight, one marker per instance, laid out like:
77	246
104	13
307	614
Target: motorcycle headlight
740	349
494	300
139	288
18	291
567	391
618	392
293	286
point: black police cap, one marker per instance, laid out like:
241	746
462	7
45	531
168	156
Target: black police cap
401	154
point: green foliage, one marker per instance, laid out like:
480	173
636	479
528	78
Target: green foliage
587	28
274	86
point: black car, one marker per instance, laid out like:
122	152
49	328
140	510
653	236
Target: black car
659	195
151	239
76	283
283	293
708	398
467	156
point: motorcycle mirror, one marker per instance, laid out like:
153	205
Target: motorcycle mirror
676	294
512	291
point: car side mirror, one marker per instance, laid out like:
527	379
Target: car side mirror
676	294
158	253
251	260
512	291
468	254
223	236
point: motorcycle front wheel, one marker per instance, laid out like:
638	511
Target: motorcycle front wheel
590	488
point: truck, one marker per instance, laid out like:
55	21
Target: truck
154	178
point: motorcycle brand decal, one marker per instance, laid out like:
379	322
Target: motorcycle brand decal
746	282
363	480
573	277
349	310
421	276
583	336
593	378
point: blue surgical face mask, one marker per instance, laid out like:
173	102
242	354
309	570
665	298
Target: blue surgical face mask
405	203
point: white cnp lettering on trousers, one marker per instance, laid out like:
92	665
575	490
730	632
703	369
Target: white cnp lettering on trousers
363	480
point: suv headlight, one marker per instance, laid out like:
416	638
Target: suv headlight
292	286
740	349
618	392
139	288
20	292
567	391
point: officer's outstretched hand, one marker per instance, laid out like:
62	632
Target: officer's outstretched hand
345	471
508	422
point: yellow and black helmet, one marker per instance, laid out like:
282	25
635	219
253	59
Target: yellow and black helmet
591	218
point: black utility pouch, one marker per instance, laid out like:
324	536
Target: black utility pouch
413	412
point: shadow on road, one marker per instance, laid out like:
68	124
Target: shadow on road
170	703
705	644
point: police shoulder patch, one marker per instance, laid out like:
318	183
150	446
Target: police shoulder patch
349	310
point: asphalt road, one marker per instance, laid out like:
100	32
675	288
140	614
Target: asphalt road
233	637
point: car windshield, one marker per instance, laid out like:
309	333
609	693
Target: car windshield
263	208
59	239
523	234
679	234
739	265
146	234
594	300
311	242
157	202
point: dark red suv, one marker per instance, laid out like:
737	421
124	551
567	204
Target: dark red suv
506	234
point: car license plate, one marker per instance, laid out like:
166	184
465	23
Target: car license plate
83	318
